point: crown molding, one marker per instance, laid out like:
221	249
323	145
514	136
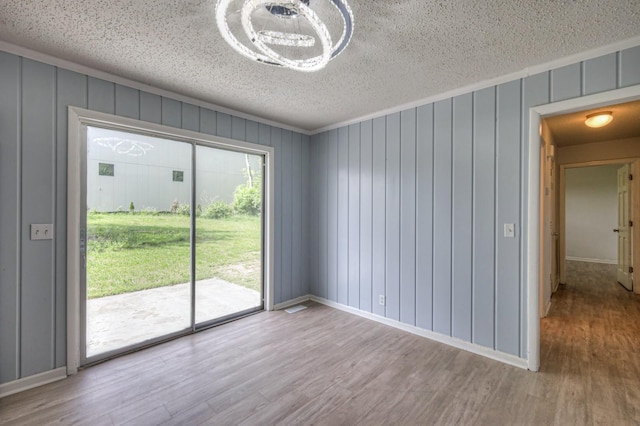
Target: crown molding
531	70
93	72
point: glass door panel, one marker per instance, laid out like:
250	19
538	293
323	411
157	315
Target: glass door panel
138	232
228	233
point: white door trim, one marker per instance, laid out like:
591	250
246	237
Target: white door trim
626	94
78	117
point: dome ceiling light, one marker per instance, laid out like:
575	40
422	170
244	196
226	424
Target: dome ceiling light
599	119
303	35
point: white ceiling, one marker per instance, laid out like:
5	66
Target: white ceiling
402	50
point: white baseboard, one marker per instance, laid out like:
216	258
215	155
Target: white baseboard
592	260
288	303
447	340
26	383
546	310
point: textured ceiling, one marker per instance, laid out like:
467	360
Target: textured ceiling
401	51
569	129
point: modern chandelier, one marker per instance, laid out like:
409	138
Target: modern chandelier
303	35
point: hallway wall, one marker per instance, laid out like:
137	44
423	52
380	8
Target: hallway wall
591	208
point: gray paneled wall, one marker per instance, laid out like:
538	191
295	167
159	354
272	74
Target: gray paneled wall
33	159
411	206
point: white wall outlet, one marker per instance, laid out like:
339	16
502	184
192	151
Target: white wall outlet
509	230
381	300
42	231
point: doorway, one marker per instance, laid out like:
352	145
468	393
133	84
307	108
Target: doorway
620	152
169	233
595	213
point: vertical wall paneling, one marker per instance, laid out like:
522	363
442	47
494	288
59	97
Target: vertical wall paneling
323	212
484	232
408	216
314	203
629	67
507	208
366	215
190	117
566	82
150	108
392	225
33	101
34	98
101	95
264	134
127	102
424	217
462	216
442	217
71	90
276	143
301	212
378	214
354	216
171	112
208	121
238	128
534	92
252	132
600	74
223	123
10	86
287	216
37	318
343	215
332	216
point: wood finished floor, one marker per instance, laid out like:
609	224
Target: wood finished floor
323	366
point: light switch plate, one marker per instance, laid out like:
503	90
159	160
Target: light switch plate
42	231
509	230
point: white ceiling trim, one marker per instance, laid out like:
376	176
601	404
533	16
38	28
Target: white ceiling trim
532	70
92	72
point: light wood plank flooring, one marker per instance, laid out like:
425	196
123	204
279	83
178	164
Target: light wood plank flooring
323	366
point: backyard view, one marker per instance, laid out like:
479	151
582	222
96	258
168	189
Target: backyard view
139	251
142	195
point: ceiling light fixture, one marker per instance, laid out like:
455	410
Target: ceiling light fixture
287	33
599	119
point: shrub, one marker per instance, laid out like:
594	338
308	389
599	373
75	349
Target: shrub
218	210
150	211
184	209
131	207
248	199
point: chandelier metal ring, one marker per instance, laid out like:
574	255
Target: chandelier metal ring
311	64
286	9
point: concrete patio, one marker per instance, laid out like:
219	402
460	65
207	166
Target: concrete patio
119	321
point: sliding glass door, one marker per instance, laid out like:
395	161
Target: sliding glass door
172	237
228	233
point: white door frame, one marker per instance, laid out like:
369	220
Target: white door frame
77	117
626	94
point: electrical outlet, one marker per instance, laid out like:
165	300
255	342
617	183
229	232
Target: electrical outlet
42	231
381	299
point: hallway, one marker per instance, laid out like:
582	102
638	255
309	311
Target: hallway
591	341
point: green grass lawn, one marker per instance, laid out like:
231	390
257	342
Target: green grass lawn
130	252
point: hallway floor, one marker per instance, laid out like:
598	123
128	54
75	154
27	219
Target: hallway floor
590	346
